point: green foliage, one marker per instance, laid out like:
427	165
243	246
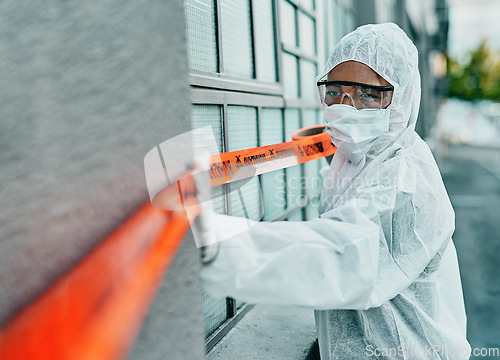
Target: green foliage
478	79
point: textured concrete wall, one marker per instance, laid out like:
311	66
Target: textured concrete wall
87	88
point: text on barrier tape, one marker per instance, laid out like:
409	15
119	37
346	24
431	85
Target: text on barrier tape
237	165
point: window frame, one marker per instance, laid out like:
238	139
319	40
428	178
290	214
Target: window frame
219	88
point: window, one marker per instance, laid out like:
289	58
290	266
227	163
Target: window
273	184
264	39
237	57
294	173
242	134
201	36
253	68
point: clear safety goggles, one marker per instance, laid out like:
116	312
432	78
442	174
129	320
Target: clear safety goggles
361	96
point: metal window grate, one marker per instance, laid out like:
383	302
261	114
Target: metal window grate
246	199
273	184
265	53
237	53
288	24
203	115
242	134
308	72
312	117
247	55
241	127
290	81
311	169
312	187
294	173
214	310
307	34
201	34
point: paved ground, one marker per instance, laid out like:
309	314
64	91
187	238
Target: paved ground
269	332
472	178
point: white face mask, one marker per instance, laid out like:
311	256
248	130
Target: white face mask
354	131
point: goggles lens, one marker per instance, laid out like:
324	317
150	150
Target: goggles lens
361	96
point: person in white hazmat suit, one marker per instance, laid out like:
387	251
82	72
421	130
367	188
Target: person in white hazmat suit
378	266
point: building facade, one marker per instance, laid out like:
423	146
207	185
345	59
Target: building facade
253	65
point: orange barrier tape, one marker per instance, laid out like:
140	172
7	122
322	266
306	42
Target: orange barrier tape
96	309
309	144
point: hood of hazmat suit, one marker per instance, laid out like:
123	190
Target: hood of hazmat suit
378	266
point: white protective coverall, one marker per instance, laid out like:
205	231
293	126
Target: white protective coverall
379	266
